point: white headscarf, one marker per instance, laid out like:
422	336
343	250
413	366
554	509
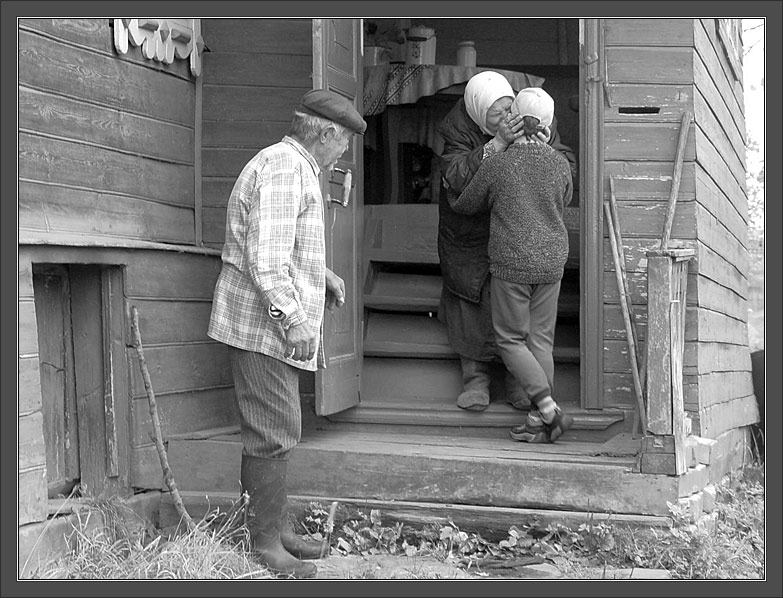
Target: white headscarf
483	90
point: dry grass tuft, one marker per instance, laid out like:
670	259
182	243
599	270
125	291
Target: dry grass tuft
215	549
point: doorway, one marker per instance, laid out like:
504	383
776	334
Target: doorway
83	371
410	374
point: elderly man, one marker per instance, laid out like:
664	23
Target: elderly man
268	308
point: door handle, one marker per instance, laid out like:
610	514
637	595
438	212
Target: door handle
347	184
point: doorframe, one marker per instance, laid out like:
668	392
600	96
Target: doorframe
591	151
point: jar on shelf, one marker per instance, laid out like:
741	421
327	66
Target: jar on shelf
466	54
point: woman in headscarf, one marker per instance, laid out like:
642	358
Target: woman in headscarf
479	126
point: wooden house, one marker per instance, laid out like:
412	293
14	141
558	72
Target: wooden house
131	134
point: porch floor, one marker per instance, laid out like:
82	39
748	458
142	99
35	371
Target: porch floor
446	466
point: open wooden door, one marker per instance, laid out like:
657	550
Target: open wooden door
337	65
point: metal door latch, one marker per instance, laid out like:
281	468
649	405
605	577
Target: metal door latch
347	184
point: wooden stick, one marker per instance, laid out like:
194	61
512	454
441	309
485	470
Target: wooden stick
328	527
618	235
626	318
675	189
157	435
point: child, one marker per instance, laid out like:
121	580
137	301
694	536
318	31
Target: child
526	189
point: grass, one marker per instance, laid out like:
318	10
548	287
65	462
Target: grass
731	545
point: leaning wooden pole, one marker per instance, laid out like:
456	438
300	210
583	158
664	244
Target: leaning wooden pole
619	270
157	435
679	158
642	356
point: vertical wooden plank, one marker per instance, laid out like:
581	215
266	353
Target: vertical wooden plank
197	167
49	298
678	410
591	173
658	345
89	368
109	411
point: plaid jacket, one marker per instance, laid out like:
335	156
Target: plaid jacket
274	254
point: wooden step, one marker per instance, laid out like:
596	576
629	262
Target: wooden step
417	384
424	336
400	291
447	469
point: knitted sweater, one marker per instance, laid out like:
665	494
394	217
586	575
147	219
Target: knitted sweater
526	189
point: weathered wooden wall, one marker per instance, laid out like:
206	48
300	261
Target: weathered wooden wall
722	373
254	74
105	141
655	70
106	158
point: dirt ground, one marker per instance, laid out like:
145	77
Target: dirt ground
355	567
422	567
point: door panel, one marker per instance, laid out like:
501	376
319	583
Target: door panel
337	66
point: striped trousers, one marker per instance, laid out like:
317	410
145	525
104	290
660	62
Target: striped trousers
267	395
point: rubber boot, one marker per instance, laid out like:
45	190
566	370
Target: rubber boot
264	480
475	385
515	394
297	546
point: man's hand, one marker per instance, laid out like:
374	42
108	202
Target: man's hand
300	342
335	290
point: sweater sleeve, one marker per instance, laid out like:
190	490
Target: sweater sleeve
475	197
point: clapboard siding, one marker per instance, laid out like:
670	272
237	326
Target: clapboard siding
644	141
26	327
182	367
626	101
718	269
720	239
171	275
229	162
214	228
644	32
32	449
164	321
259	36
32	495
106	145
49	207
711	51
257	70
45	64
243	134
76	120
720	298
95	34
712	114
648	65
29	398
247	103
648	180
216	192
102	169
714	200
730	414
184	412
254	75
647	218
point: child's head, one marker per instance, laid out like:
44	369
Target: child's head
536	107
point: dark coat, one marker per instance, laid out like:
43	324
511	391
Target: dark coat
463	240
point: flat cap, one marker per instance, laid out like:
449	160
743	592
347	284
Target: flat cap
330	105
